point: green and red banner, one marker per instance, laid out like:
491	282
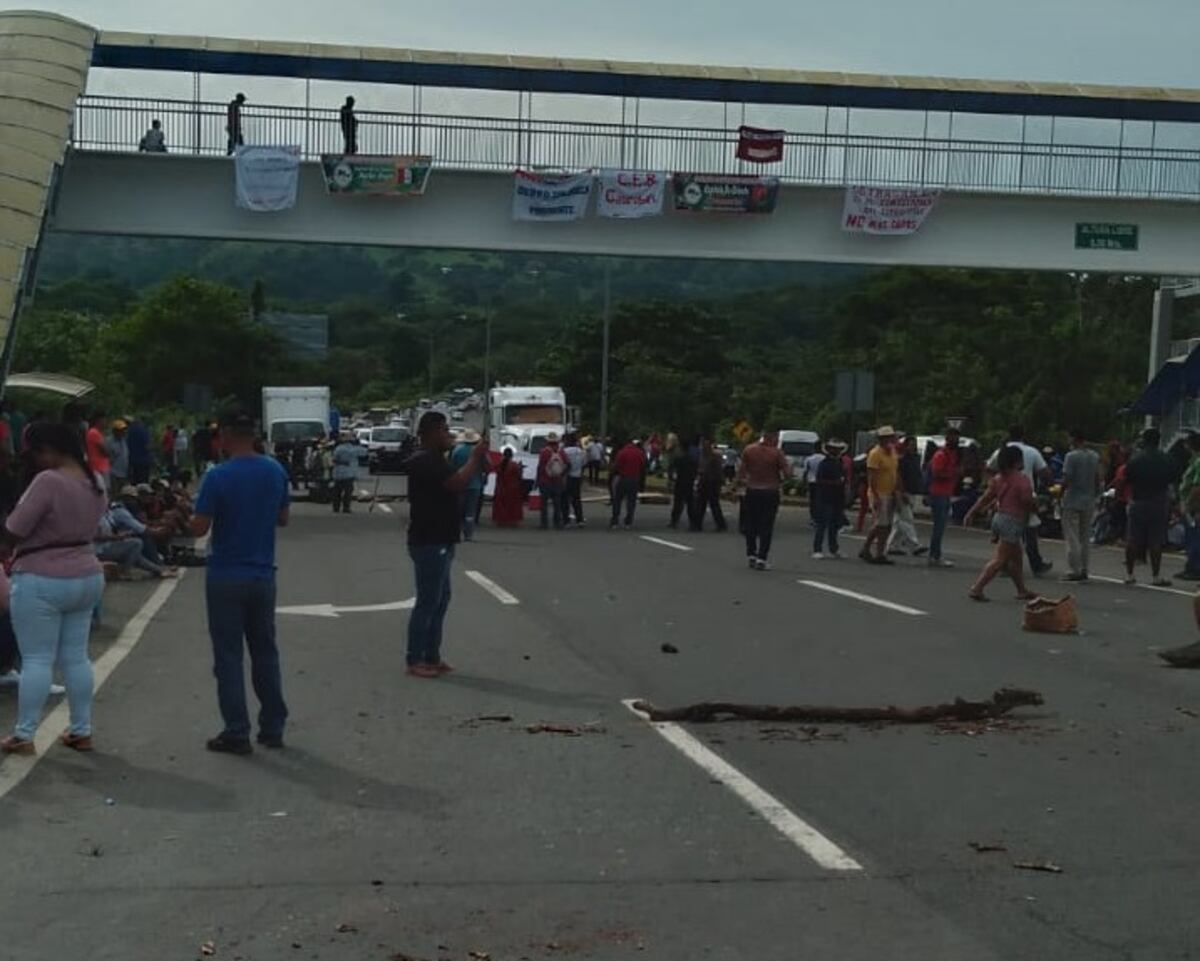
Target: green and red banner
363	175
725	193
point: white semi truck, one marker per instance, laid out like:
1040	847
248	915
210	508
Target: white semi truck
523	417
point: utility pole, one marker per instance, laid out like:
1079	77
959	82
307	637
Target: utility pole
487	367
604	349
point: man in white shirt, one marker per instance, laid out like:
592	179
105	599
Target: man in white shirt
1035	468
595	459
576	458
811	464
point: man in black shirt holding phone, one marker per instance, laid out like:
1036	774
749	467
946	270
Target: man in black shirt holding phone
435	522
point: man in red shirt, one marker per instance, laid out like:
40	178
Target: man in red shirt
97	449
552	481
945	469
627	469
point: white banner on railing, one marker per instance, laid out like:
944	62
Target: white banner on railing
266	178
630	193
887	211
551	198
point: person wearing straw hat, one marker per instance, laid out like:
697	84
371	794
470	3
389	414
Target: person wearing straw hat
828	495
882	479
472	493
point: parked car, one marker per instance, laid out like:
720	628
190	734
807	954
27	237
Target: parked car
388	448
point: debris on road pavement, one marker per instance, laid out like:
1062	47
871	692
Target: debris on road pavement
1186	656
568	730
1048	867
986	847
345	928
1000	703
1188	711
208	949
668	648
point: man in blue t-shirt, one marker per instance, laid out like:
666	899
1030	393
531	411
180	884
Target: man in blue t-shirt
242	501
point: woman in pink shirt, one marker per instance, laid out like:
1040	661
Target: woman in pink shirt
1012	493
56	582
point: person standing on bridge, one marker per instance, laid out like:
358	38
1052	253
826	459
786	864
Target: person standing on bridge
153	140
763	469
349	127
233	124
241	502
434	528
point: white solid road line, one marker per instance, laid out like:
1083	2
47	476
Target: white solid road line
671	544
802	834
865	598
385	508
16	768
492	587
1147	587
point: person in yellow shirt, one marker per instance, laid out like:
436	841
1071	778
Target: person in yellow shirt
882	479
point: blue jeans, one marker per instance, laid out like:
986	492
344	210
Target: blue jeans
826	517
553	497
939	504
52	617
241	613
1191	544
432	564
470	506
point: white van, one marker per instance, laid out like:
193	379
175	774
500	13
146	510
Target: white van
797	445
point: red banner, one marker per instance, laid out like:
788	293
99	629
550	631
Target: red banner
760	146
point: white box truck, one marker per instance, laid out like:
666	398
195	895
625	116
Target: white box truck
294	416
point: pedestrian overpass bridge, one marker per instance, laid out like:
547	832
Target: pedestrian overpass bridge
1017	173
193	196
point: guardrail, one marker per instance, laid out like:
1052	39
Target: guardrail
491	143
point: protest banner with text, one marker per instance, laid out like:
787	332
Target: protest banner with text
266	178
551	198
886	211
630	193
725	193
385	176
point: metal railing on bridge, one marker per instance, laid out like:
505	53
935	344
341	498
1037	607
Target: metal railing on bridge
497	143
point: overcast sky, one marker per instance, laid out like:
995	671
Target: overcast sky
1144	42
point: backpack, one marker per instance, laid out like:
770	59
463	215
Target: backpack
556	464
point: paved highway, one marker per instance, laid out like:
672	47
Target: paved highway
408	819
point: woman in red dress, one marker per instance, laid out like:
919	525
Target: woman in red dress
508	502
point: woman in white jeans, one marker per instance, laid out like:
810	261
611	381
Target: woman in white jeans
56	582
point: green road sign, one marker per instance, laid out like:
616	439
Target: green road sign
1106	236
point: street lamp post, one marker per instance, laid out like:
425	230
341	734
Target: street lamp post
604	349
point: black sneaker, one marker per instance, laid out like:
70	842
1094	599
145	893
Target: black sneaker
274	741
224	744
920	551
1075	578
884	561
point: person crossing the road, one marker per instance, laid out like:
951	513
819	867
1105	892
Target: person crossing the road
945	472
1149	475
242	502
434	528
708	486
627	469
1081	487
552	471
762	471
828	492
345	471
1037	471
903	537
1012	493
883	468
573	497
